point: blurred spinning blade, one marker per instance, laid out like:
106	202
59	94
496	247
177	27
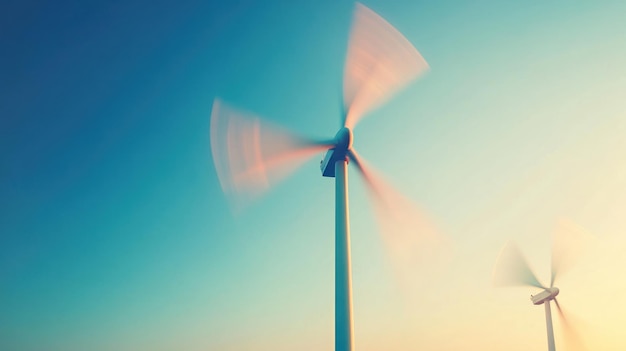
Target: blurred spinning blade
512	269
408	232
568	244
380	61
251	155
573	341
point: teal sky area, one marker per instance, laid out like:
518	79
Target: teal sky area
116	235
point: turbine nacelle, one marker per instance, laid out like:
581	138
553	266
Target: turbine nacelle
339	152
546	295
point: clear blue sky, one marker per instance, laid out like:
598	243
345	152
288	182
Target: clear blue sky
114	232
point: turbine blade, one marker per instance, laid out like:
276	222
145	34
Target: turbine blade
408	232
512	269
251	155
573	341
380	61
568	244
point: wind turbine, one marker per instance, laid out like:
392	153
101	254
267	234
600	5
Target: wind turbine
512	269
251	155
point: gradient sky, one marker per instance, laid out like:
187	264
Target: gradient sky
115	234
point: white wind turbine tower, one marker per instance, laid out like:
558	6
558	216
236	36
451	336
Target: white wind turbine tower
250	155
512	269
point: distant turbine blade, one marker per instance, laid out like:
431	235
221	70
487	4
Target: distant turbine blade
568	244
407	231
251	155
573	340
512	269
380	61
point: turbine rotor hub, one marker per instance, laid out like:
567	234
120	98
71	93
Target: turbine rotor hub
343	140
339	152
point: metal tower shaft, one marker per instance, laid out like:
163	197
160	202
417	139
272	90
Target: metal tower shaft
344	336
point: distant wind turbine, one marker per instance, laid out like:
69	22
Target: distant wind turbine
512	269
250	155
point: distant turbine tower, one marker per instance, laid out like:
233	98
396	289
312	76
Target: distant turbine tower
512	270
251	155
